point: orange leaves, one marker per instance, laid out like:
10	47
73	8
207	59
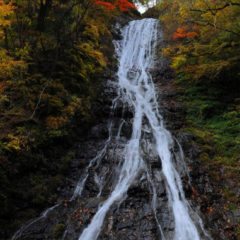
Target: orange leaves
2	86
195	194
210	209
5	11
8	65
183	33
65	203
123	5
55	122
109	6
196	28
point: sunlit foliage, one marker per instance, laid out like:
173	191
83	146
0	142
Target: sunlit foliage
212	34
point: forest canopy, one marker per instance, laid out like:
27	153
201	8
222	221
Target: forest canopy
52	53
203	46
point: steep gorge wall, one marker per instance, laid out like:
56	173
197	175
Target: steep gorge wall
133	218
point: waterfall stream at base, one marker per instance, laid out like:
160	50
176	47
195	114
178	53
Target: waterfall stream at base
136	89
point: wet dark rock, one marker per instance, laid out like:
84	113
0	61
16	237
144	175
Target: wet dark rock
99	131
133	218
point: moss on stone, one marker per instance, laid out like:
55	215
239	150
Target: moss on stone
58	230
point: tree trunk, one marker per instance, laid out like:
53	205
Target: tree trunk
43	12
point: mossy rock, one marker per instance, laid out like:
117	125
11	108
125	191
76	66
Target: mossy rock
205	157
58	230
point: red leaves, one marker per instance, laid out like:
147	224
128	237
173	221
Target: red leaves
123	5
65	203
183	33
108	5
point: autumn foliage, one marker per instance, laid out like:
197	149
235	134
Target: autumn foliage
123	5
49	81
184	33
5	11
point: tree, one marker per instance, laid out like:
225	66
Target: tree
45	7
51	55
6	10
122	5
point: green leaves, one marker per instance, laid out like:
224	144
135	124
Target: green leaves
207	71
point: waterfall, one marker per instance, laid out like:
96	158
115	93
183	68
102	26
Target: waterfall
136	89
149	140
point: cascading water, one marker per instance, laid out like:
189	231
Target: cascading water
149	140
136	89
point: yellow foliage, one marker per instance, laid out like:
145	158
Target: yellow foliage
183	13
91	32
55	122
178	61
199	4
88	51
5	11
16	142
70	109
211	70
79	105
9	66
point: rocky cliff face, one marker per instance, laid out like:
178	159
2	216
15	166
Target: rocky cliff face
132	218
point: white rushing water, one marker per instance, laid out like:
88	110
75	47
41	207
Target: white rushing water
136	89
44	214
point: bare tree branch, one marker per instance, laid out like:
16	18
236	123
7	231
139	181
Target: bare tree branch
205	23
216	9
39	99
